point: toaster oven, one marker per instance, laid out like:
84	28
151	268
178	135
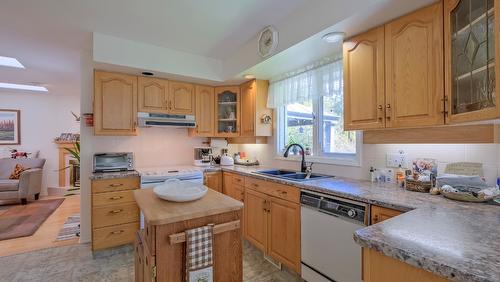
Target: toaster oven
112	162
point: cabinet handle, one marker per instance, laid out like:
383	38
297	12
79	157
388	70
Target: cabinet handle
388	111
115	185
375	219
238	179
255	185
169	105
117	232
116	211
115	197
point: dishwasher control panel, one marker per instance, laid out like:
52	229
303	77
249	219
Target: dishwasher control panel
335	206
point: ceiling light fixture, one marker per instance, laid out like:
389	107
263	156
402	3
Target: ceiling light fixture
249	76
23	87
333	37
10	62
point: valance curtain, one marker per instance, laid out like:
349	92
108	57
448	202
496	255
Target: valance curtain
323	78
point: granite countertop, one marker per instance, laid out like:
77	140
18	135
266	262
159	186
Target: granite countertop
460	241
112	175
158	212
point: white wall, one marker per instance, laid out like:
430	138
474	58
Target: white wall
375	155
44	116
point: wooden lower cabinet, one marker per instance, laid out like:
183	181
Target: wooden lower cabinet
272	224
379	214
115	215
255	211
213	180
157	259
283	236
380	268
233	186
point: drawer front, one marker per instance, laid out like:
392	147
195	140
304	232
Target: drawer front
281	191
111	198
116	184
116	235
238	179
114	214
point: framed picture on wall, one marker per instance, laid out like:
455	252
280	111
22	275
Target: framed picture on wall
10	127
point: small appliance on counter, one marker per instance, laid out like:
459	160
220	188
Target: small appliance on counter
225	159
113	162
202	156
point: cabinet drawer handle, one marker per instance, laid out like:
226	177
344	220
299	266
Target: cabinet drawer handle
238	179
115	185
117	232
255	185
116	198
116	211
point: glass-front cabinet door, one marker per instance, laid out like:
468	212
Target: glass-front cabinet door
227	110
470	65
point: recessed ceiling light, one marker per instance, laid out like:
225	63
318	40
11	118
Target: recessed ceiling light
10	62
148	73
333	37
249	76
23	87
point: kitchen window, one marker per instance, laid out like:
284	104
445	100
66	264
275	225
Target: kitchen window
314	121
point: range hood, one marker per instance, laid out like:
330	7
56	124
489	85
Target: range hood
165	120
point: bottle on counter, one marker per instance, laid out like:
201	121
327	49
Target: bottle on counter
373	177
400	176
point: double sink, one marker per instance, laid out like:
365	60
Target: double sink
291	175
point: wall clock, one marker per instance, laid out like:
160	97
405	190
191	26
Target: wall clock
268	41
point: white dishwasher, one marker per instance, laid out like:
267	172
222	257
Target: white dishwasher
329	252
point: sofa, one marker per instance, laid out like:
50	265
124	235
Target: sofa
28	185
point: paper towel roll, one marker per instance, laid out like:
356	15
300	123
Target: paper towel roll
218	143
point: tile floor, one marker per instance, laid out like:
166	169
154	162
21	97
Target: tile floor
76	263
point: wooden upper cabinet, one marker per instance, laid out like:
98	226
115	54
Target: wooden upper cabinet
253	108
414	69
248	93
153	95
181	98
284	232
115	104
471	38
364	81
227	111
204	112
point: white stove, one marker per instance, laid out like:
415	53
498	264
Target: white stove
151	177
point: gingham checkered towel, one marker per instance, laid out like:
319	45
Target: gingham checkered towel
199	242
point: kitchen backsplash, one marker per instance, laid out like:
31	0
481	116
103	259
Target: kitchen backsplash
375	155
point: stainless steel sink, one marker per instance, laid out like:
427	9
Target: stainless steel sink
290	175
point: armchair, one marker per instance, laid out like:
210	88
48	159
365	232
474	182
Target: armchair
29	183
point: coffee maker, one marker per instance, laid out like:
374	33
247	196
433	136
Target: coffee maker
202	156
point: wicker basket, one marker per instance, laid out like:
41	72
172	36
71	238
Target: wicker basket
418	186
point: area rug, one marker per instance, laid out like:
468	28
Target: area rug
71	228
24	220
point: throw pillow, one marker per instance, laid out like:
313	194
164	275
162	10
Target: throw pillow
16	173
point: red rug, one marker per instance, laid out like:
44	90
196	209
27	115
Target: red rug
24	220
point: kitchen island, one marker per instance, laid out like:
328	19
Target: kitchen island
160	248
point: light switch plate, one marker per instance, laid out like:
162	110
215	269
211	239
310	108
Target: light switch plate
396	159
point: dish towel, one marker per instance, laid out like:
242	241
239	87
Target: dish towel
199	254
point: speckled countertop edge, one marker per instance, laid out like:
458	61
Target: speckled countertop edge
113	175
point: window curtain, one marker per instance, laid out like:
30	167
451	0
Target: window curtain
322	78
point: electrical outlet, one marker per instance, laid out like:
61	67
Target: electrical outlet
396	159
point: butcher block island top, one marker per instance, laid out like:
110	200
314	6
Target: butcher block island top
159	212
